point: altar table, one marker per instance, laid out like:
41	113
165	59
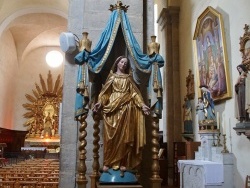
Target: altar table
200	174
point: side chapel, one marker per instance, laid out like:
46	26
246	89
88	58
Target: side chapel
196	51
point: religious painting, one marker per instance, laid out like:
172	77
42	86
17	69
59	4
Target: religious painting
212	61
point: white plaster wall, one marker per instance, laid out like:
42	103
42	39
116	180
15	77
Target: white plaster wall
235	15
8	70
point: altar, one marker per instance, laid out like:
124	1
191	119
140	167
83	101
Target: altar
42	142
41	148
198	173
207	174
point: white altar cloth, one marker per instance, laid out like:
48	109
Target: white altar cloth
33	148
213	171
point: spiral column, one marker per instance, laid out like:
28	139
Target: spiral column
95	174
155	179
81	179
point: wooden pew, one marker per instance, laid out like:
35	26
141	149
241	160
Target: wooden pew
7	184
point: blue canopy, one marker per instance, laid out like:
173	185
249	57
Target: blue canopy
97	58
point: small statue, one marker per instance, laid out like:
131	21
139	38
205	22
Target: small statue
200	110
208	103
187	116
190	85
48	126
53	132
242	88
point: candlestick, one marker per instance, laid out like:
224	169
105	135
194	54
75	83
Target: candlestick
225	150
218	142
225	128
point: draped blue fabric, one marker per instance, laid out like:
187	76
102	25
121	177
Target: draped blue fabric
96	59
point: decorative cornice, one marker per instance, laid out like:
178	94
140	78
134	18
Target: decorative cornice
168	16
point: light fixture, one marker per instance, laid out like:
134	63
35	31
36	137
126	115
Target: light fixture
54	58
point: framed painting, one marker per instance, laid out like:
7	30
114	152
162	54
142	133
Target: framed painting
212	61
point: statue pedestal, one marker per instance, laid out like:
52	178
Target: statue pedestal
208	141
243	128
209	138
118	186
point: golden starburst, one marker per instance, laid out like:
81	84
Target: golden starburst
44	102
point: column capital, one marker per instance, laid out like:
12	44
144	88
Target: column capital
168	16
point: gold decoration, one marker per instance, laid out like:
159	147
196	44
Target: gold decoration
120	6
245	47
43	108
208	126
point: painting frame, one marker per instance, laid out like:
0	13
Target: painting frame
211	55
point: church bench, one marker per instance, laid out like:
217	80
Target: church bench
26	184
7	184
48	185
36	178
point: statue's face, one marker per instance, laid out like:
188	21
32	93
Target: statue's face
122	65
240	69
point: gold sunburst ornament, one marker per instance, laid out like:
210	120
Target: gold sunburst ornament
43	108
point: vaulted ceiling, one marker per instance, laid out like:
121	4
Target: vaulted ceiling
33	24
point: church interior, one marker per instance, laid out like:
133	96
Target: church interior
196	85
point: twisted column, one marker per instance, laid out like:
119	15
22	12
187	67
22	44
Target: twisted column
81	179
95	174
155	179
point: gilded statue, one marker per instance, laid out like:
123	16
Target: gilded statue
123	110
48	126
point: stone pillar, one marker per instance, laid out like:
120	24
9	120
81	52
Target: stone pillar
69	128
169	22
91	16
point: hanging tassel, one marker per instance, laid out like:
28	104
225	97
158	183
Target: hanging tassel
86	91
80	87
159	94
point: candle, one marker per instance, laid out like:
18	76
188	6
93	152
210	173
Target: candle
218	120
230	127
224	128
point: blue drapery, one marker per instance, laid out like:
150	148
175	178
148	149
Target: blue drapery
96	59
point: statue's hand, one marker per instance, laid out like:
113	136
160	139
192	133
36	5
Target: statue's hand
97	107
145	109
